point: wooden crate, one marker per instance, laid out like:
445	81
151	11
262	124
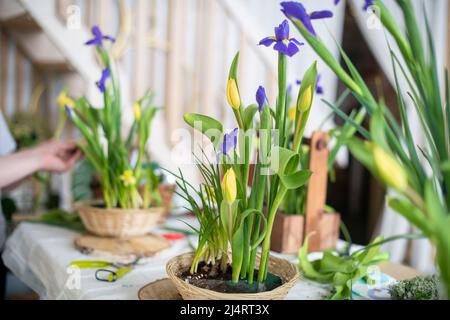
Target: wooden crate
289	231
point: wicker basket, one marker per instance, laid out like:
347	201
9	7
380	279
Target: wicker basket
119	223
282	268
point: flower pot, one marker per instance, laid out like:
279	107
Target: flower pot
282	268
166	191
118	223
289	231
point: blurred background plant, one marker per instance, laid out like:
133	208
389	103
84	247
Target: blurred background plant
30	128
417	173
108	152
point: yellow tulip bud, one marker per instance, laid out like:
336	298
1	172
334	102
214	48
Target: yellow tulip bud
137	111
234	100
229	186
389	170
292	113
63	100
305	101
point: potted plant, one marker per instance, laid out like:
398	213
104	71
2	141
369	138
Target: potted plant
234	220
123	211
419	185
303	210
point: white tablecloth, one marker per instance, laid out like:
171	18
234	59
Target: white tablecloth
39	255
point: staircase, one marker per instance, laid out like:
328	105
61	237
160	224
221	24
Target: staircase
44	39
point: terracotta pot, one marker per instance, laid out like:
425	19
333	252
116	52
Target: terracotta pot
118	223
282	268
289	232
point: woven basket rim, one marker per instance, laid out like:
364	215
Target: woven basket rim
286	285
91	205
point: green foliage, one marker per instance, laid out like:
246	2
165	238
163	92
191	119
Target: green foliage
108	152
61	218
424	199
340	271
241	223
418	288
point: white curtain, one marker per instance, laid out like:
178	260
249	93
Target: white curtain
419	253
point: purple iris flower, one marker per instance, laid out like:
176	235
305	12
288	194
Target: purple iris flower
229	141
261	97
68	110
102	82
319	88
295	10
336	2
98	37
283	43
367	4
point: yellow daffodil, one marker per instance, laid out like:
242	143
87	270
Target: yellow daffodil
292	112
234	100
389	170
63	100
229	186
128	178
305	101
137	111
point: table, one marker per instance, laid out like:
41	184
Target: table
39	255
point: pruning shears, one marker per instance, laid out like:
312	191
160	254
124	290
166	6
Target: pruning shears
106	275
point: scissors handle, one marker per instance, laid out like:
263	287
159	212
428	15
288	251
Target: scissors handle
111	276
90	264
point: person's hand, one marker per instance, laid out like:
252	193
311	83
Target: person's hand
56	156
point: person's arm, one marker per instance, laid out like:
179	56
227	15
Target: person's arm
54	156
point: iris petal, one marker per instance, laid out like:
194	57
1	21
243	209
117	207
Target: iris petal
94	41
296	42
101	84
296	10
292	49
281	47
367	4
229	141
267	41
321	14
98	37
96	32
261	97
282	31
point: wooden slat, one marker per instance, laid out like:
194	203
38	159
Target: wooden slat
61	9
317	187
399	271
140	34
173	66
102	12
195	76
207	88
243	44
152	30
18	88
88	13
3	70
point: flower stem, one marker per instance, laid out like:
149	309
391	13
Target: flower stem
262	274
281	115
